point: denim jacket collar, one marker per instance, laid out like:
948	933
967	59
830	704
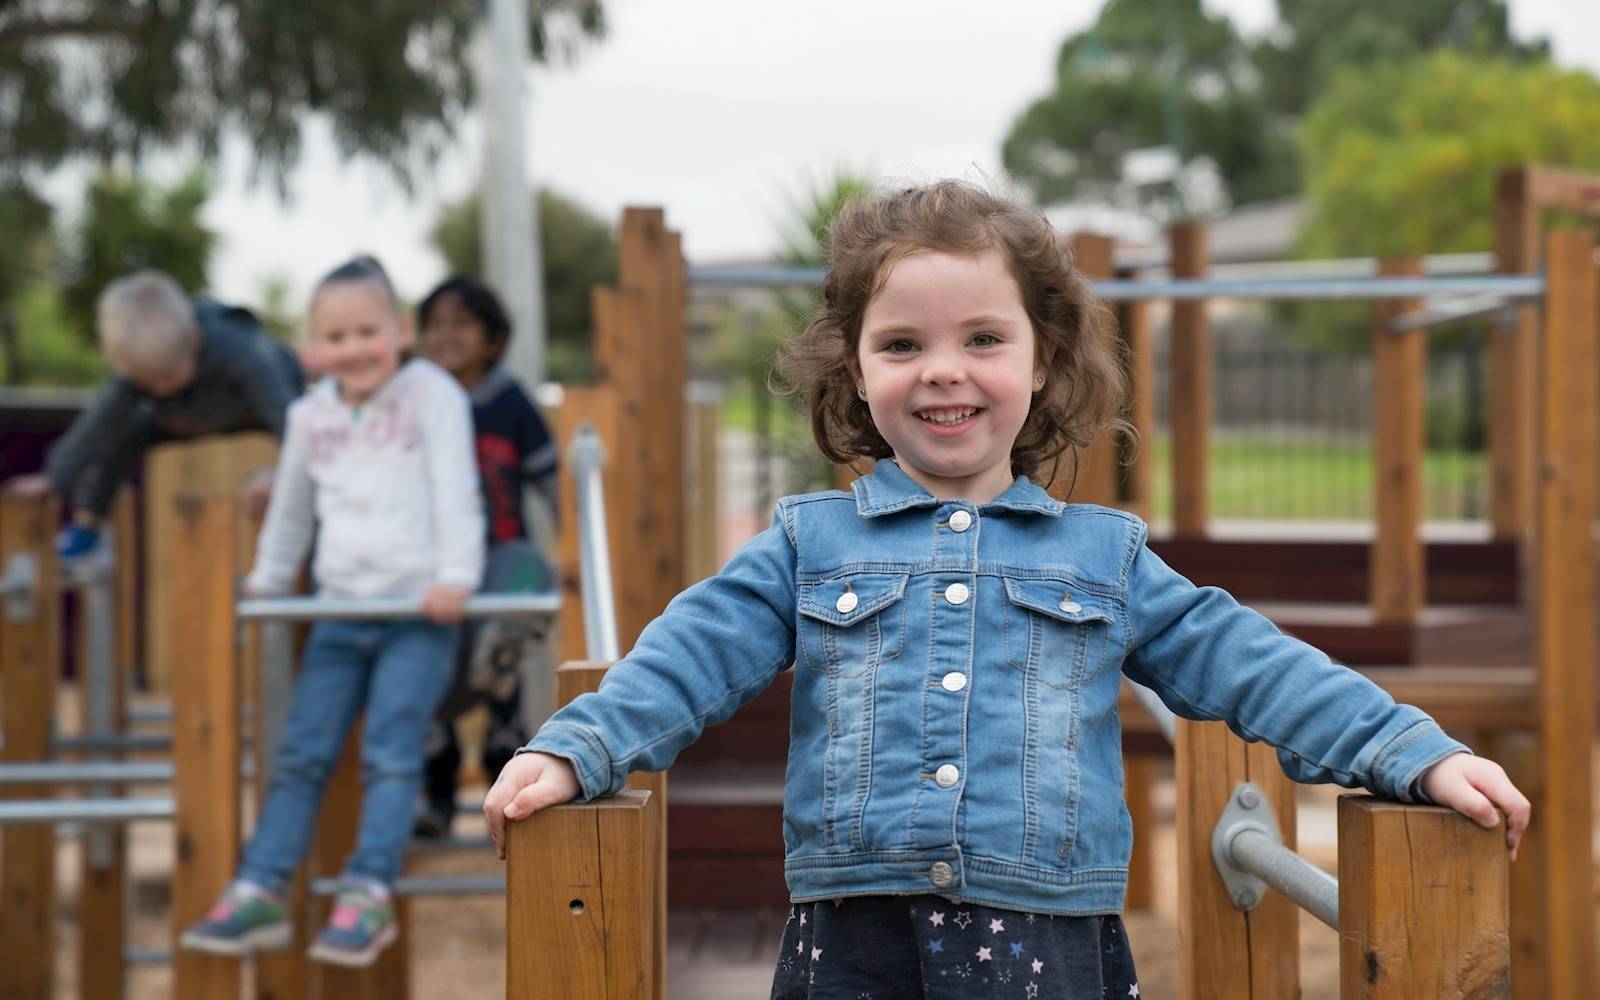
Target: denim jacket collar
888	489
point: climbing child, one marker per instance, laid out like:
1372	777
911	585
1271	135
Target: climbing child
377	458
465	331
954	823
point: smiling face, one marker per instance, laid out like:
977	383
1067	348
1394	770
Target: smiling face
456	340
947	360
358	335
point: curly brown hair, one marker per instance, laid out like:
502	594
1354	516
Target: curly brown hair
1073	329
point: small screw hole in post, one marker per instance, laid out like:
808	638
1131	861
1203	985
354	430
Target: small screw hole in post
576	906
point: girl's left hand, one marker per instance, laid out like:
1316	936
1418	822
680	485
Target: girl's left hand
443	604
1478	789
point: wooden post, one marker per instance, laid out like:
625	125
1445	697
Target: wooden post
1564	606
1223	951
1191	388
102	909
1521	755
573	679
1138	783
650	272
1400	362
702	525
1138	490
1096	469
1513	359
205	731
1423	904
578	913
639	557
30	661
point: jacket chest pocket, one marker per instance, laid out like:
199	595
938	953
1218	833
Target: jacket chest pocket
852	624
1056	631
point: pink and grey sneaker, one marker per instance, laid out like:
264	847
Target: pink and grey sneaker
246	919
361	926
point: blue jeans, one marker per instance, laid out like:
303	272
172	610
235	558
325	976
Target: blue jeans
396	671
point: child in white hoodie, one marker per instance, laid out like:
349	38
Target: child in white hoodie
378	458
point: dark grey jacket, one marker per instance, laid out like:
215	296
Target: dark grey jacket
243	381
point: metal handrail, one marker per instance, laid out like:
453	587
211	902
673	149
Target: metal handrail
1506	286
1166	721
587	457
1249	853
325	608
48	812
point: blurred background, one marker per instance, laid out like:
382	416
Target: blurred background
247	147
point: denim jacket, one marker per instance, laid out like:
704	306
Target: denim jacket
954	719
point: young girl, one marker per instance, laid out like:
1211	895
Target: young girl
954	823
465	331
378	456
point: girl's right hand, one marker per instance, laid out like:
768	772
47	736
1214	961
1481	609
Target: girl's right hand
528	783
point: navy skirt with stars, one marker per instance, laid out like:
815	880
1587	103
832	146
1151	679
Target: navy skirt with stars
913	947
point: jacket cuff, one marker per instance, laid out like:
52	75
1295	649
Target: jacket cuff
1400	766
580	747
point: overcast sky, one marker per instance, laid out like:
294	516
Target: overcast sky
716	110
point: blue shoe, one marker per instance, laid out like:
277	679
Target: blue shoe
361	926
243	921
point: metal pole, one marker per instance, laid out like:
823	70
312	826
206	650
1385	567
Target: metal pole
51	811
277	684
1505	286
509	210
587	456
100	631
129	742
316	609
1249	853
430	885
19	587
96	773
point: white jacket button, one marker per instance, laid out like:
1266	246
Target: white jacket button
960	521
947	775
941	874
846	603
956	593
955	680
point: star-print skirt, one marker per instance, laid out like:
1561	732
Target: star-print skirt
913	947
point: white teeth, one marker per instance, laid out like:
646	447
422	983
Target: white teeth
947	416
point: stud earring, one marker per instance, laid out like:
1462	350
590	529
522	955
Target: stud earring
1038	380
861	392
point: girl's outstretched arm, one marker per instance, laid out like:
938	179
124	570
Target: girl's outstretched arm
1478	789
529	782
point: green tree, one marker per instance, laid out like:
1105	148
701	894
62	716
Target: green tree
1402	159
579	251
106	77
129	223
25	220
1167	73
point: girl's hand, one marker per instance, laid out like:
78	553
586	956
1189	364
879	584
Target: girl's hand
29	486
443	604
1478	789
528	783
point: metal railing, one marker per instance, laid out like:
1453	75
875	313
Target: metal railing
587	457
1247	847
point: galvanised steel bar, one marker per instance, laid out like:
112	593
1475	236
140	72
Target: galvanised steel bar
100	674
317	609
1510	286
277	686
147	956
452	845
1427	319
51	811
110	772
587	457
427	885
115	742
1311	888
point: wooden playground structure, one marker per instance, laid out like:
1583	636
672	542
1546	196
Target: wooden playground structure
587	886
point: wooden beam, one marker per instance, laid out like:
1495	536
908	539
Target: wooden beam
1138	335
1191	388
205	731
702	526
1400	362
30	663
1513	354
1423	904
1097	469
580	677
578	910
1565	612
1521	754
1566	191
1223	951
